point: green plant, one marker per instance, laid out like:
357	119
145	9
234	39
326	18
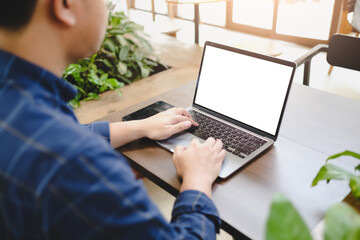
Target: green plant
341	220
125	56
284	222
332	172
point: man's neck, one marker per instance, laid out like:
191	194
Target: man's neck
33	44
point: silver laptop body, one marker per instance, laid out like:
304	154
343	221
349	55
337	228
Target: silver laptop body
244	90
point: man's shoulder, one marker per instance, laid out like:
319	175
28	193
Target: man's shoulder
41	141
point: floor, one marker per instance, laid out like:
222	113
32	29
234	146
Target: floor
341	82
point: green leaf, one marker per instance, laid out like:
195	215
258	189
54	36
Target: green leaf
121	40
130	37
91	96
93	66
124	53
329	172
84	68
100	71
150	63
143	43
109	45
128	74
72	68
93	57
74	103
74	76
125	80
284	222
112	83
122	68
342	222
103	78
115	21
115	31
355	186
93	78
78	95
106	62
107	53
116	18
145	71
345	153
138	55
80	89
103	88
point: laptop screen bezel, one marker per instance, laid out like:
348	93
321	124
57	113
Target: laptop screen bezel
251	54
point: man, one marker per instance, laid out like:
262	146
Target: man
62	180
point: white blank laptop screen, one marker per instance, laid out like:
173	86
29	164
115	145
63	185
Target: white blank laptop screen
244	88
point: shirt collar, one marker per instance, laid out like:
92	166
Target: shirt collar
13	67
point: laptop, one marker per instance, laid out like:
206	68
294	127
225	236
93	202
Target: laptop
240	97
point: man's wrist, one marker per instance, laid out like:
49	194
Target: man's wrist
124	132
141	128
196	183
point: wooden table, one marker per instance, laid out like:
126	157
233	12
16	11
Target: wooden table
316	125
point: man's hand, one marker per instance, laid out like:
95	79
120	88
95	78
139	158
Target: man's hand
165	124
158	127
199	164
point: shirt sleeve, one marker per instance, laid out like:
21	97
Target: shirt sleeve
101	128
96	196
190	203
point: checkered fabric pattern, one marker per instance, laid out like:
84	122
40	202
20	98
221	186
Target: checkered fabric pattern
62	180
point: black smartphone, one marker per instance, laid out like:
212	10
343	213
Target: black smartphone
148	111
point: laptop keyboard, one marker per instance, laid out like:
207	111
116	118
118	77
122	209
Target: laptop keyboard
235	140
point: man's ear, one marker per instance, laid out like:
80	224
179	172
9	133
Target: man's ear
64	11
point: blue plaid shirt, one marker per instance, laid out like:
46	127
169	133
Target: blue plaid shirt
59	180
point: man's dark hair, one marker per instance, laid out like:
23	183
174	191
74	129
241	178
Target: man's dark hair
15	14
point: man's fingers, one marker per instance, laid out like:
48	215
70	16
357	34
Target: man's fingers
218	145
195	141
180	118
181	126
183	112
210	141
179	149
222	155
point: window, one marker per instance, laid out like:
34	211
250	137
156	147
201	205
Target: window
306	22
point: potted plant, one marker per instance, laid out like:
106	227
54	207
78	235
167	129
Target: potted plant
125	56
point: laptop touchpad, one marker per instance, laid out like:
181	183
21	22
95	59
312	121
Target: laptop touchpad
182	139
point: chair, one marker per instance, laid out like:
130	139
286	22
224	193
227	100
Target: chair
342	51
345	25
